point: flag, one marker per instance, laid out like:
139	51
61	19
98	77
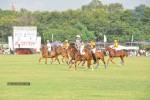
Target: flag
105	38
132	38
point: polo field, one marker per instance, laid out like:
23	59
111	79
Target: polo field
59	82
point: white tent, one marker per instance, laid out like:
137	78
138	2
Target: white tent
120	47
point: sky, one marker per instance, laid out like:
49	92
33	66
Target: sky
62	5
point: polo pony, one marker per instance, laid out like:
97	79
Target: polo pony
46	54
112	55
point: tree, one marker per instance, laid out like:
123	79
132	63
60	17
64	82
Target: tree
26	19
115	7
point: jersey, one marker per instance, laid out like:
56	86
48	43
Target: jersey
67	45
116	44
78	43
92	44
49	47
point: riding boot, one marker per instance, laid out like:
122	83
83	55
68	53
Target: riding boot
94	57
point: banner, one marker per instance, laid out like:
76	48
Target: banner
24	36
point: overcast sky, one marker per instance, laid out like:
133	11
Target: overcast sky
61	5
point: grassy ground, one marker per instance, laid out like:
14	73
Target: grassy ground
58	82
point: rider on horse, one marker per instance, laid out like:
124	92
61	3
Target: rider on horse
79	44
78	41
67	44
48	46
115	46
93	48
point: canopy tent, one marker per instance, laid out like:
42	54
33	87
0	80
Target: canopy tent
126	48
55	43
143	43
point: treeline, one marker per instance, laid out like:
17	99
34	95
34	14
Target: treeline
91	21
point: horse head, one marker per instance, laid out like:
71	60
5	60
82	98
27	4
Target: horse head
73	49
107	48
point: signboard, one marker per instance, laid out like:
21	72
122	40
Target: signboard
24	36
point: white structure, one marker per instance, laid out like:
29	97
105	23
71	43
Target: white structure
120	47
24	37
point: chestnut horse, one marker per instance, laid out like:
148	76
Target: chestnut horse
112	55
76	56
63	52
45	54
99	56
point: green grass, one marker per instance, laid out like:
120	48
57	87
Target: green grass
58	82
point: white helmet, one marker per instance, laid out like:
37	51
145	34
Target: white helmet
78	36
66	40
115	40
48	41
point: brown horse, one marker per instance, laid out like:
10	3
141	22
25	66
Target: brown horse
63	52
76	56
113	54
46	54
99	56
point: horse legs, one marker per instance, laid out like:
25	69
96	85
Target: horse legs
63	59
79	62
57	59
122	61
70	63
112	60
51	61
46	60
67	60
104	63
75	65
97	63
40	60
88	65
108	61
83	63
